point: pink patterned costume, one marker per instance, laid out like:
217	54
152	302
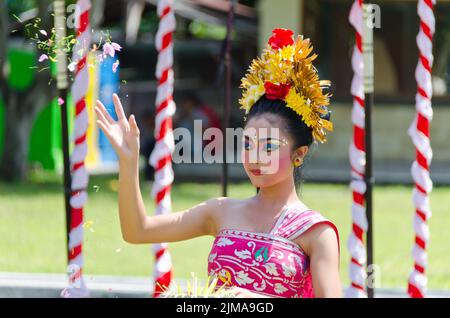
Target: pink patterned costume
270	264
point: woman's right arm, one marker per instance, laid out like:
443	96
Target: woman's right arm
136	226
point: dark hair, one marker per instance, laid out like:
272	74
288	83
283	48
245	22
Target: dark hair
292	123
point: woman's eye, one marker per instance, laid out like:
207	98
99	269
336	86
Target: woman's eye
271	147
247	145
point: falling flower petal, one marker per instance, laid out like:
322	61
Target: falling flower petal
114	185
108	49
43	57
72	66
60	101
88	224
115	65
43	32
100	58
116	46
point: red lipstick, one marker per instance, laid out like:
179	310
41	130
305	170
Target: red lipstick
256	172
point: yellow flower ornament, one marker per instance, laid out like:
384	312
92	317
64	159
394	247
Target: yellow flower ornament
285	71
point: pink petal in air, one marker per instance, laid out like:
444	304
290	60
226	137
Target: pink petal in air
116	46
60	101
100	58
115	65
42	58
108	49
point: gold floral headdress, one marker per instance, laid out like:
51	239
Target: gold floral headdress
285	71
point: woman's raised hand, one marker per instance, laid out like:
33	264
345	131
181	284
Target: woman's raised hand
123	134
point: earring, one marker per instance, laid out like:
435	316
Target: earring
297	162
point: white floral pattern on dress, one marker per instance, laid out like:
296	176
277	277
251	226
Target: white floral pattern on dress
243	279
244	254
279	288
271	264
266	267
223	241
212	257
271	269
288	270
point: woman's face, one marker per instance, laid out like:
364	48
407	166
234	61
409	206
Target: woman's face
267	151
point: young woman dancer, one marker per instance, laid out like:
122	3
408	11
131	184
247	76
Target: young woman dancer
271	244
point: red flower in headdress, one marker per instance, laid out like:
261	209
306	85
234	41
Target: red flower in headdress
276	91
281	38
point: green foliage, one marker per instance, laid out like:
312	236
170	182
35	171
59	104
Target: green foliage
149	22
18	7
204	30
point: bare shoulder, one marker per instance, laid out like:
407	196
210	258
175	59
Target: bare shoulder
215	205
319	237
222	210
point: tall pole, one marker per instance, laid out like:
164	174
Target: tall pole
79	176
62	85
161	156
368	96
357	157
419	131
227	104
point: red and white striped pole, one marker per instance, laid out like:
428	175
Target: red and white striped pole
80	177
419	132
161	156
357	155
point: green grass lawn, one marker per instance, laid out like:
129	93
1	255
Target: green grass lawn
32	229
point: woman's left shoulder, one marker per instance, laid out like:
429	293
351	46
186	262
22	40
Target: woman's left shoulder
318	230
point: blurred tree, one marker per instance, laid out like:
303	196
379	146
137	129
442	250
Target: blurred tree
21	106
17	7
